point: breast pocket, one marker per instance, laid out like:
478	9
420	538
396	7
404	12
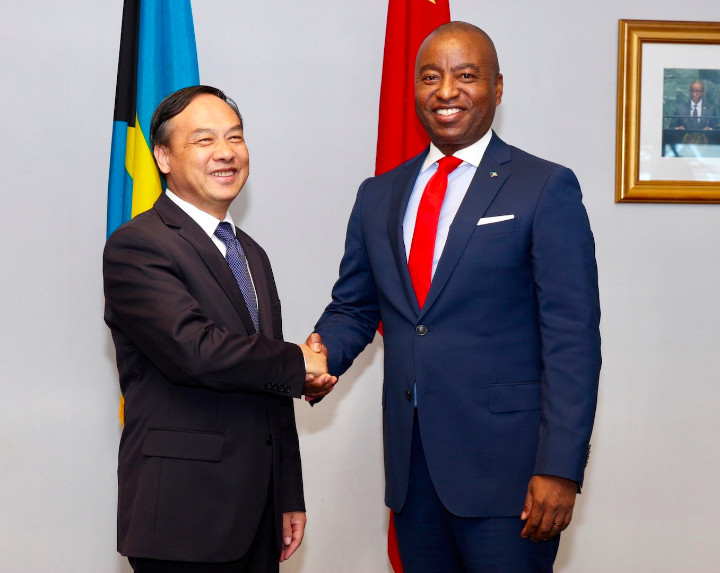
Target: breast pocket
498	245
499	228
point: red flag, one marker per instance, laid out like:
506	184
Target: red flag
400	134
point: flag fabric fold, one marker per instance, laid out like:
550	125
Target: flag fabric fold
157	57
400	134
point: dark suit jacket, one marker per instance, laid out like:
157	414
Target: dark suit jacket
209	420
708	119
505	353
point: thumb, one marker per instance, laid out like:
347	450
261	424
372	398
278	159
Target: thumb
314	341
527	507
287	532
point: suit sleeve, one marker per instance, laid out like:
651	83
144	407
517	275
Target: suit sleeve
292	495
148	302
565	274
350	321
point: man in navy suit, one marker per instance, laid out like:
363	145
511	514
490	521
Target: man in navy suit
696	113
491	375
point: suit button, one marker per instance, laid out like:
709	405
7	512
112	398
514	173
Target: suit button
268	440
408	394
421	329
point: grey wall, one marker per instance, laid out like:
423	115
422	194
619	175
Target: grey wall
306	76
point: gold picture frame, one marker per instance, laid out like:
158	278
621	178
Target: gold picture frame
648	168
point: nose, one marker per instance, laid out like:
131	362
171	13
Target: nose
447	89
223	151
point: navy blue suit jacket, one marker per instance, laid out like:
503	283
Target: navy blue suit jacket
505	353
709	117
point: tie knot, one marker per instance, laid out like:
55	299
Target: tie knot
448	164
224	232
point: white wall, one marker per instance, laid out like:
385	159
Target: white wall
306	76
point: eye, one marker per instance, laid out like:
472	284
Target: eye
430	78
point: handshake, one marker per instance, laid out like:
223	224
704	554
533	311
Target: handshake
318	382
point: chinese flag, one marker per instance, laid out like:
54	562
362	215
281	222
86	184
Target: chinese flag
400	134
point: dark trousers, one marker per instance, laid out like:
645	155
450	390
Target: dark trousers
262	557
432	540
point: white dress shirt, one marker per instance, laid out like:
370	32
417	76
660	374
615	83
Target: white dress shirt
207	223
458	183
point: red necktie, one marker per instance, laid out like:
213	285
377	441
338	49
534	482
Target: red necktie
426	224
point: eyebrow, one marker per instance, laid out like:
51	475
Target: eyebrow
206	130
457	68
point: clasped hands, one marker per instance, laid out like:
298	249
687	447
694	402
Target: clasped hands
318	382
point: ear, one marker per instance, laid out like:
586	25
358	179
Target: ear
498	88
162	158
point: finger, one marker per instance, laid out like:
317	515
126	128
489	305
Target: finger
529	529
289	549
561	522
538	525
546	529
326	382
318	385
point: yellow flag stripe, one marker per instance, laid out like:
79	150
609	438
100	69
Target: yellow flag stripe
140	165
146	180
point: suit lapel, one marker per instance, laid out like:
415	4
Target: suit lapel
209	254
401	191
489	177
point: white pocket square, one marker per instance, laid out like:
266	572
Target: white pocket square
488	220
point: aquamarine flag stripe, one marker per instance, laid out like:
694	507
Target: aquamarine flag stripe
167	56
120	184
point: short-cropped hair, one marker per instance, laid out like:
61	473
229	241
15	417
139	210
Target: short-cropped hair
174	104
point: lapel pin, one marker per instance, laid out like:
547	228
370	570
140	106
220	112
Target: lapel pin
493	174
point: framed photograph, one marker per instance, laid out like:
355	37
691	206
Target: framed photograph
668	118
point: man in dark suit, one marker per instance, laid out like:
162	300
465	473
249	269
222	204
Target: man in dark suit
491	327
696	113
209	467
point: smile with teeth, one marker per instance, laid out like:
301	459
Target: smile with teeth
448	111
223	173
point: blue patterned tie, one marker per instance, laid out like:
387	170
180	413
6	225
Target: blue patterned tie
238	265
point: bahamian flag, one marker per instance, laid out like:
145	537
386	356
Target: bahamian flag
157	57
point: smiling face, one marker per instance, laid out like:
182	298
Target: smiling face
206	161
457	87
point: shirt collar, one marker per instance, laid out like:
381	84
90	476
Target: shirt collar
207	222
471	154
